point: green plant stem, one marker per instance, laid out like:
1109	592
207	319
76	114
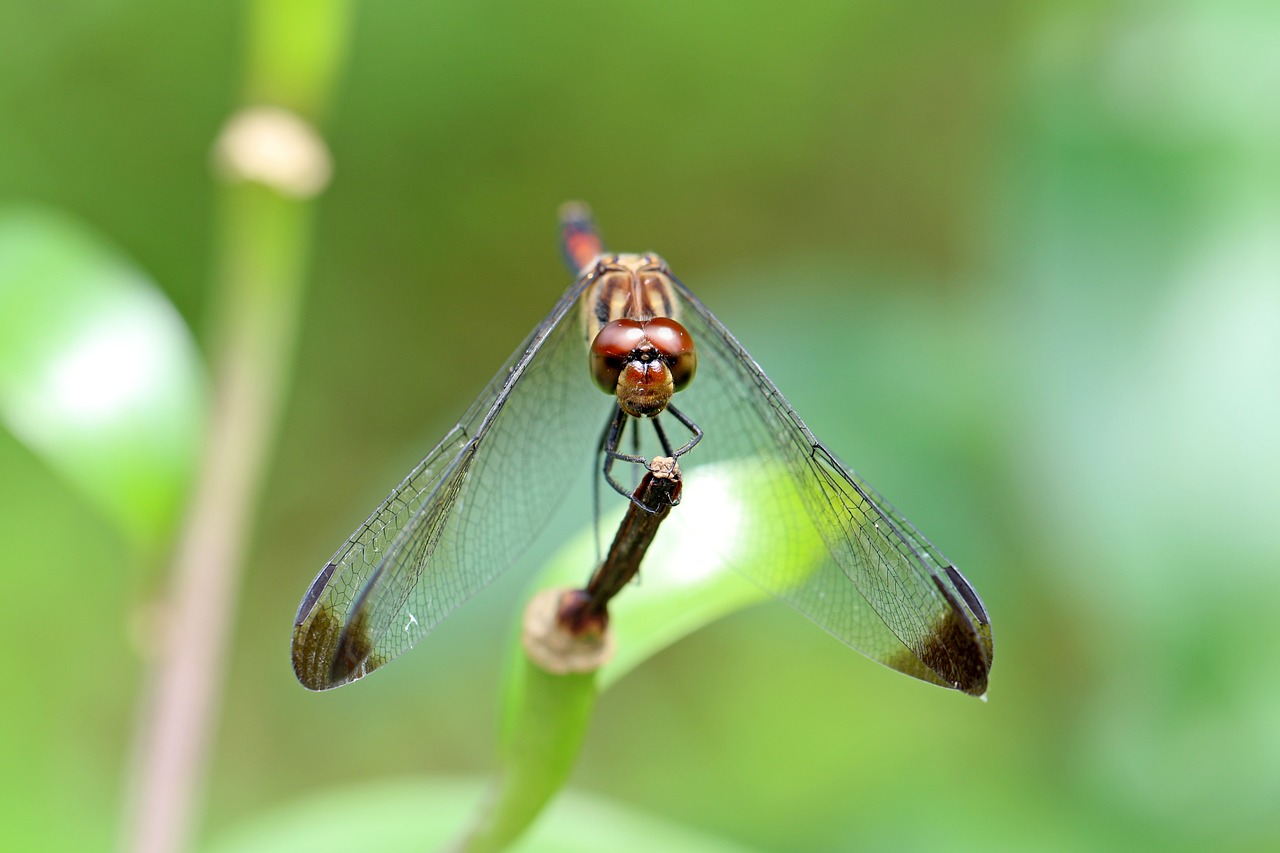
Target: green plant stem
536	759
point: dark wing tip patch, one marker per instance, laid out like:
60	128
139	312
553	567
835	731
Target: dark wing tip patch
954	651
314	639
327	655
955	648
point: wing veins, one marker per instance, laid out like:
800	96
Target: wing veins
903	563
435	495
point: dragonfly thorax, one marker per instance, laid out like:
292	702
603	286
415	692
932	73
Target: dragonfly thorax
631	287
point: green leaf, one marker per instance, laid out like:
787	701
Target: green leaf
415	815
99	375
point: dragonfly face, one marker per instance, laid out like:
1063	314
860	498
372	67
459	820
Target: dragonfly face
464	514
643	363
639	352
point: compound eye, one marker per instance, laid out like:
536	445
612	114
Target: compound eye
611	350
675	344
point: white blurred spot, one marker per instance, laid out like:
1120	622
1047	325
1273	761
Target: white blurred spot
274	147
108	370
711	515
115	370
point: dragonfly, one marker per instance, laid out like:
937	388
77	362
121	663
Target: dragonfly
629	327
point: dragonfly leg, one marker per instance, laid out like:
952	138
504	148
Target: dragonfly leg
662	437
609	450
609	442
688	424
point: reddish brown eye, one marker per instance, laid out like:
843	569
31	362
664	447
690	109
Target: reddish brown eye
677	349
611	350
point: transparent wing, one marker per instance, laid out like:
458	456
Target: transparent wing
463	515
879	585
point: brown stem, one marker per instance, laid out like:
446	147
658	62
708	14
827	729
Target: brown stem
265	242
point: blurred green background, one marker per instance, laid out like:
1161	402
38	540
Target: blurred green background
1017	263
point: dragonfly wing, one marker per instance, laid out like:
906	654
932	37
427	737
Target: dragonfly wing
878	584
462	516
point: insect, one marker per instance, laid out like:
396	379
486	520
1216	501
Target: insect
629	327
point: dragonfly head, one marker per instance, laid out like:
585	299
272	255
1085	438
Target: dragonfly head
643	363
